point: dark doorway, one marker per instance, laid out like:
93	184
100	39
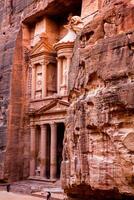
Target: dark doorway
60	137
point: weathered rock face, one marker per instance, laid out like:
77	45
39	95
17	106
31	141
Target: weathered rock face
13	153
98	157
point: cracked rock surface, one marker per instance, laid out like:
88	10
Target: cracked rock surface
98	158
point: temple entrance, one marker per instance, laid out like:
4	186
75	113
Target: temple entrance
46	150
60	136
51	50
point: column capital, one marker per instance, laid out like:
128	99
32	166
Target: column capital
68	57
33	127
58	58
43	126
53	124
44	62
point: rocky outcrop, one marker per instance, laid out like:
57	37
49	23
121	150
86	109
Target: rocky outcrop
98	157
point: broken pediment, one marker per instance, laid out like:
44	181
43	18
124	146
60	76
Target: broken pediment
43	46
53	107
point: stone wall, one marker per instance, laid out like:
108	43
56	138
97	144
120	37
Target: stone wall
98	157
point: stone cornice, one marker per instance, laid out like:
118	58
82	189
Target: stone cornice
59	46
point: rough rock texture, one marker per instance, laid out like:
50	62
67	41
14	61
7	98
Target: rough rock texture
98	157
11	89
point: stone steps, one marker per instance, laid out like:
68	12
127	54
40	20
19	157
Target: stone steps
38	189
54	195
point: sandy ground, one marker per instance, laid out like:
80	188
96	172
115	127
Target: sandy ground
12	196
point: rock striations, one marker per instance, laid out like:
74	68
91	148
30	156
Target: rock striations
98	157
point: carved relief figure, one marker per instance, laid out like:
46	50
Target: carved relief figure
51	79
75	23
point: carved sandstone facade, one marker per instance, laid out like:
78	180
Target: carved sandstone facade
48	84
33	86
68	95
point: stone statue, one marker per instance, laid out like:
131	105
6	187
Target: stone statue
75	23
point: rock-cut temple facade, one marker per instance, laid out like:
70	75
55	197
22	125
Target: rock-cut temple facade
67	95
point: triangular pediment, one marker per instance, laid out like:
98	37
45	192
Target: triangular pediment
53	107
41	47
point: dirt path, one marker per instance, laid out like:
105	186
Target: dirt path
12	196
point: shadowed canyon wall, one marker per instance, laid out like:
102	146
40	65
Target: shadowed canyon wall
11	88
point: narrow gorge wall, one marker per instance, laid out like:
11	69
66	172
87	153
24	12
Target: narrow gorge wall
98	157
12	89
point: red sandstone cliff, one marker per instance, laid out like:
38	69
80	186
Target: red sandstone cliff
98	158
98	145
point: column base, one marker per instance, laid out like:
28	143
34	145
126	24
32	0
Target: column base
39	178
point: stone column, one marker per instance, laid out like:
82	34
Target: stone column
43	153
53	154
59	74
68	67
32	150
33	82
44	79
64	71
